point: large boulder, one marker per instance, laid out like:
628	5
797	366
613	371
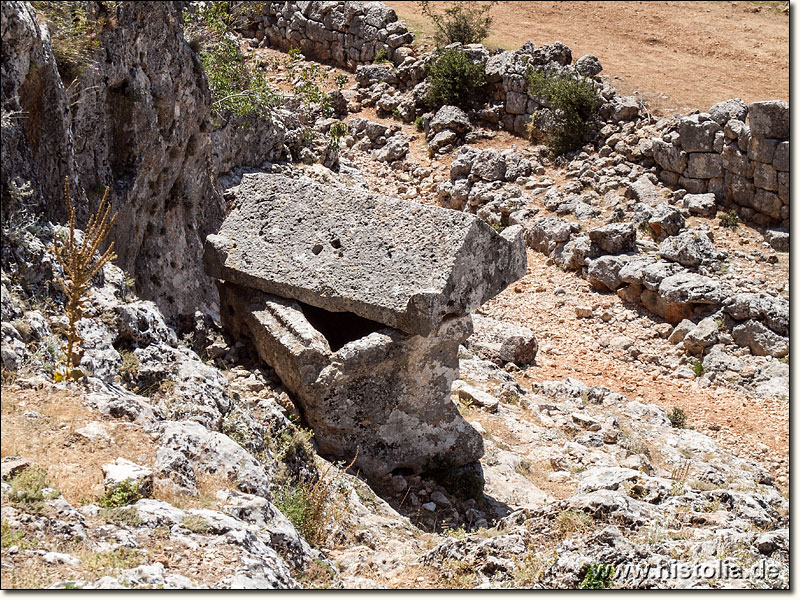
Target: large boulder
398	263
364	388
502	342
615	238
761	340
691	249
769	119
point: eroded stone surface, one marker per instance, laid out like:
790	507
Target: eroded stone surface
399	263
384	394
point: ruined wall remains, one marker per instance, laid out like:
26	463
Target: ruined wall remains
345	33
737	152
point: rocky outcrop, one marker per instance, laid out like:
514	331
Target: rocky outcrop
359	302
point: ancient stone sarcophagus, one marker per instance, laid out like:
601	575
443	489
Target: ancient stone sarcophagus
359	302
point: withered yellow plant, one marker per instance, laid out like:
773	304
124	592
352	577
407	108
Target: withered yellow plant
80	267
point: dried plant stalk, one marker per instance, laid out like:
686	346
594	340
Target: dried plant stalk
80	266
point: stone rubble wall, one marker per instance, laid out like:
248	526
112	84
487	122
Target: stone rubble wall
345	33
737	152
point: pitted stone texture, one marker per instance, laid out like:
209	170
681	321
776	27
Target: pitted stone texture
399	263
502	342
769	119
384	395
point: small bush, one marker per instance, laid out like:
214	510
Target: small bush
11	536
575	103
677	417
130	365
418	123
381	57
125	493
27	489
126	516
599	577
462	22
572	521
729	219
697	367
236	87
313	506
455	80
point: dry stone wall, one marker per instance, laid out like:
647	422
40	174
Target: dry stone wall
345	33
739	153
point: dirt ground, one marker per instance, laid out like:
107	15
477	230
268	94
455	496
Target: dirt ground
677	55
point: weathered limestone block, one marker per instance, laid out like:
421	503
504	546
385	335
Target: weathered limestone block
361	386
502	342
770	119
697	133
399	263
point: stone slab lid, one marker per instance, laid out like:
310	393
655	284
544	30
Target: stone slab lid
400	263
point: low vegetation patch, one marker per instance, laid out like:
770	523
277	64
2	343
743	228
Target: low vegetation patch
74	34
462	22
729	219
677	417
125	493
599	577
455	80
575	103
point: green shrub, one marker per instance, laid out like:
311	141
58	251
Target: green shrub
698	368
599	577
454	79
729	219
381	57
236	87
418	123
462	22
125	493
575	102
677	417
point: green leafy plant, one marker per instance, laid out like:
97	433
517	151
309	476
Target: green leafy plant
237	88
729	219
381	57
80	267
697	367
11	536
575	102
677	417
599	576
418	123
454	79
337	131
462	22
125	493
